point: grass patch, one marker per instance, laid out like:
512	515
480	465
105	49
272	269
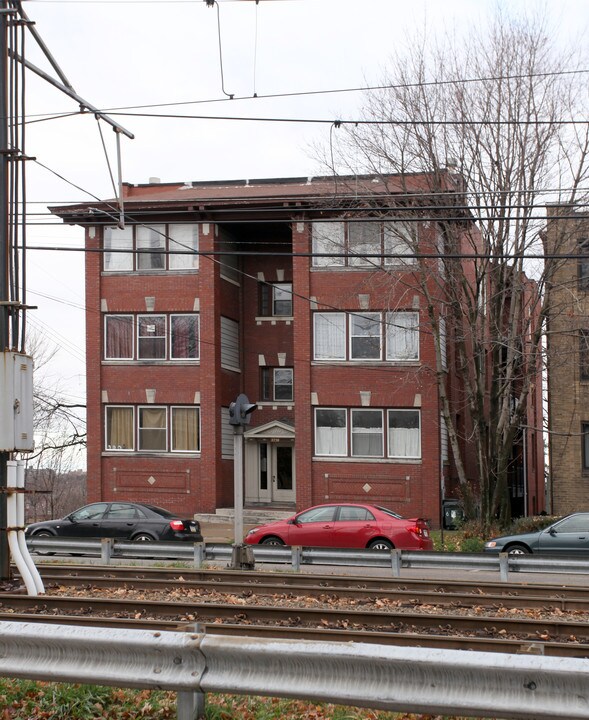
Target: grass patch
27	700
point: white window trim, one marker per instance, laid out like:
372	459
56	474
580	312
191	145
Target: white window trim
185	407
152	315
315	335
354	411
170	344
133	421
366	314
123	315
391	314
405	457
331	455
139	428
282	369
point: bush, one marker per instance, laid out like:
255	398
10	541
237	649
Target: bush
473	544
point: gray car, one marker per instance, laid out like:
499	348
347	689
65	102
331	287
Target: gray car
567	536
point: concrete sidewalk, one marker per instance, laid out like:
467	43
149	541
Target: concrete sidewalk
214	532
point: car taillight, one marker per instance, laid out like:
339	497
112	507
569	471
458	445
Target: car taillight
420	529
176	524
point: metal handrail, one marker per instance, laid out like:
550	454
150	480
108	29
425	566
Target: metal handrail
396	560
403	679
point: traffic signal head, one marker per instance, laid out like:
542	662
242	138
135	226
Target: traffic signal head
240	411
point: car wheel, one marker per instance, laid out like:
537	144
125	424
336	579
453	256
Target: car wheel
381	545
43	534
517	550
272	540
143	537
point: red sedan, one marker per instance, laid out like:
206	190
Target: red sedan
346	525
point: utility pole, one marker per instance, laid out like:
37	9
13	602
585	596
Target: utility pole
5	253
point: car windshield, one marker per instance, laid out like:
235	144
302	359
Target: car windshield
390	512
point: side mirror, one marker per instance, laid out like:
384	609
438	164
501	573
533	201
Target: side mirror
552	531
292	521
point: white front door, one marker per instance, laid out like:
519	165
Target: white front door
276	472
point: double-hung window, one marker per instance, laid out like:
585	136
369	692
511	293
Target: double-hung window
277	384
152	337
275	299
120	421
367	436
364	243
153	428
154	247
360	336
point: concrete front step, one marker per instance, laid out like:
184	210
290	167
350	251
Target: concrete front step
251	516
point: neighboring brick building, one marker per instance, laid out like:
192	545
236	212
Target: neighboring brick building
214	289
568	359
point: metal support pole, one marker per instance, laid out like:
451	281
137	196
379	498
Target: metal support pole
4	268
238	484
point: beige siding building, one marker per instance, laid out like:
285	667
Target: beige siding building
568	359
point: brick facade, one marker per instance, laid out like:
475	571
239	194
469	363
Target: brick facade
266	227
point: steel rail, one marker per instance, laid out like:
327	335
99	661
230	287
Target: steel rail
448	642
547	628
252	579
408	596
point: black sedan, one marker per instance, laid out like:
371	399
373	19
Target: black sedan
567	536
123	520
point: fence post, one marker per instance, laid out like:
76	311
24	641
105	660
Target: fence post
199	554
106	545
297	555
396	562
504	567
190	705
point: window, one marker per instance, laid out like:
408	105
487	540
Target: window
184	337
359	336
328	238
575	524
368	439
367	433
277	384
585	448
159	337
151	337
151	247
404	434
158	428
583	265
329	335
321	514
402	335
363	244
118	337
119	428
584	354
355	513
121	511
185	429
90	512
331	432
365	336
275	299
153	429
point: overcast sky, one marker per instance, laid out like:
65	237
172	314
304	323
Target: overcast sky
119	54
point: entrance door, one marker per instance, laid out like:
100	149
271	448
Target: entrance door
276	474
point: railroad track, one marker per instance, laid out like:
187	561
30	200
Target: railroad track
416	592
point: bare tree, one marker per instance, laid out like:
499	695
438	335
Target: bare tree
493	120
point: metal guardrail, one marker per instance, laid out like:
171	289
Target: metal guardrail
390	678
200	553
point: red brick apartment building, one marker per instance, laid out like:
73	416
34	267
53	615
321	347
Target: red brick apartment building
212	289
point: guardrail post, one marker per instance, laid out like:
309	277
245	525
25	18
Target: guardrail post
504	567
106	546
297	556
190	705
396	562
199	554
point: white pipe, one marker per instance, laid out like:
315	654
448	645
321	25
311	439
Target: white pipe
20	516
11	522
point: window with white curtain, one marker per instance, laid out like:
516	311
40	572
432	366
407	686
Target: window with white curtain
328	237
404	437
367	433
399	243
329	335
160	246
359	336
402	336
116	242
331	431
